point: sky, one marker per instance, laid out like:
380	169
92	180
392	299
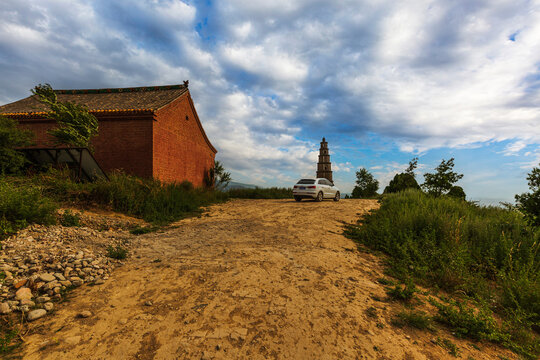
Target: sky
382	81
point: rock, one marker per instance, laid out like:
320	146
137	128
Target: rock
99	282
72	340
123	321
48	306
84	314
60	277
36	314
23	293
43	299
24	308
148	303
20	284
4	308
27	302
47	277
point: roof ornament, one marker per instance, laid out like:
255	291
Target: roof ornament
186	83
323	140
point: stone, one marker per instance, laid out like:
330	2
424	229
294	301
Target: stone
20	284
84	314
27	302
43	299
36	314
47	277
48	306
60	277
123	321
148	303
72	340
23	293
99	282
4	308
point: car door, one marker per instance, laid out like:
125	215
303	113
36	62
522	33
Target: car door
327	188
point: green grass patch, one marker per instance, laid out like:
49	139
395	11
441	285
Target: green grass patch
405	293
261	193
141	230
9	338
413	318
487	254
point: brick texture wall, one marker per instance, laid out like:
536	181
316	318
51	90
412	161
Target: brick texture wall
181	151
123	142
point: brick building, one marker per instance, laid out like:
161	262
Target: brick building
145	131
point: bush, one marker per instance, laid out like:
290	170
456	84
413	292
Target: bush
366	185
261	193
69	219
529	203
488	253
401	182
405	293
457	192
117	252
23	205
413	318
11	137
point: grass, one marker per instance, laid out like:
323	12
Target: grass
9	338
405	293
261	193
141	230
413	318
22	205
488	255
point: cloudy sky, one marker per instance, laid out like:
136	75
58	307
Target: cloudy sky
383	81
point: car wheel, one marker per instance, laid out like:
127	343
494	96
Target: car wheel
319	196
297	198
337	197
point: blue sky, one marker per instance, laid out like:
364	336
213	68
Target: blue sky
383	81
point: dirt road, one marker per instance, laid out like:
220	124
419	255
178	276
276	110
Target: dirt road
250	279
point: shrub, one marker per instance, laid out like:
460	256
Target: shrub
68	218
261	193
22	205
366	185
401	182
11	137
140	230
440	182
457	192
405	293
529	203
117	252
413	318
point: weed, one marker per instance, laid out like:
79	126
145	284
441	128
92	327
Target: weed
416	319
405	293
70	219
117	252
140	230
9	339
371	312
385	281
448	345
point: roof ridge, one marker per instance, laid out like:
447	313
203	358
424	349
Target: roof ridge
122	90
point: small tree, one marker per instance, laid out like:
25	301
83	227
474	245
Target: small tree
457	192
400	182
76	126
217	177
442	180
366	185
11	137
529	203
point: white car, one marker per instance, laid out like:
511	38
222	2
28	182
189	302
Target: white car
317	189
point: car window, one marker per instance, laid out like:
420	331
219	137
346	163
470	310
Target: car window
306	181
323	182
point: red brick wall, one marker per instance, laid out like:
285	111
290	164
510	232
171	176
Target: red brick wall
123	142
181	151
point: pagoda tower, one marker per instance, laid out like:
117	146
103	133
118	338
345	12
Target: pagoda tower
324	166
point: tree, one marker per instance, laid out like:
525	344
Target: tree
217	177
366	185
11	137
413	164
76	126
457	192
442	180
529	203
400	182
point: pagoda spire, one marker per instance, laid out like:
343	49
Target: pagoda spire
324	166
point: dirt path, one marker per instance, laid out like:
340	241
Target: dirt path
251	279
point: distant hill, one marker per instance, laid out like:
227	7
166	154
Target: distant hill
237	185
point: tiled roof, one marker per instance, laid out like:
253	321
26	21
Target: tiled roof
148	98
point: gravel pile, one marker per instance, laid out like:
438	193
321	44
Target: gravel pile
39	264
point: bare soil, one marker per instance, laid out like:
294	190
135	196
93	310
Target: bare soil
250	279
